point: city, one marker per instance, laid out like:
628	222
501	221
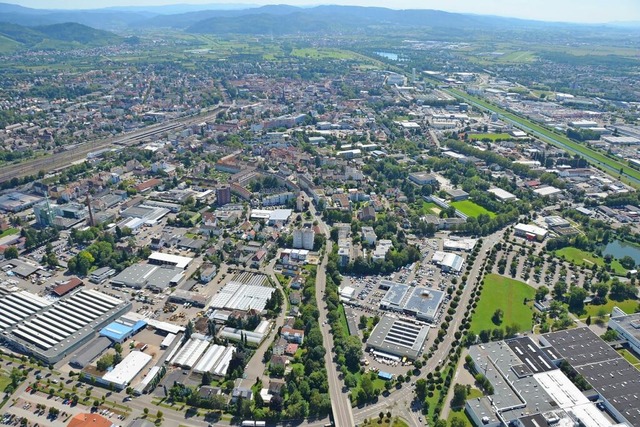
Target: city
317	216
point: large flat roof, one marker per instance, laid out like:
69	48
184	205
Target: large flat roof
177	260
126	371
395	294
615	379
424	302
630	324
398	337
239	296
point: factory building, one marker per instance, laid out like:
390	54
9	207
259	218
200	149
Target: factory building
50	331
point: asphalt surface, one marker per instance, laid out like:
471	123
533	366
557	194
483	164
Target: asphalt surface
340	402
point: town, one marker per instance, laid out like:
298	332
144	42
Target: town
289	231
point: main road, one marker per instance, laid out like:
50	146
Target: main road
399	401
340	401
55	161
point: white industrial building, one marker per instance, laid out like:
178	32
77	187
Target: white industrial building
502	195
548	191
459	244
215	361
530	231
449	262
303	238
125	371
54	330
238	296
189	354
177	261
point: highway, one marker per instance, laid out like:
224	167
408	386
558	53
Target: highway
615	172
399	401
56	161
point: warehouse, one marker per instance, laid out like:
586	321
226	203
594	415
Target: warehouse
548	191
125	371
530	232
424	303
159	258
502	195
238	296
154	277
215	361
17	306
90	352
120	332
58	329
398	337
616	381
189	354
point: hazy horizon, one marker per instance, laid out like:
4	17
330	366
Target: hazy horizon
579	11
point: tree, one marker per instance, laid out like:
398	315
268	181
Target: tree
628	262
576	299
541	293
11	252
457	422
421	389
559	289
610	335
497	317
145	410
159	415
276	403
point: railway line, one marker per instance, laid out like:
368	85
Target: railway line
57	161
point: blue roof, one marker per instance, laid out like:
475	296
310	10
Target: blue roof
140	324
116	331
385	375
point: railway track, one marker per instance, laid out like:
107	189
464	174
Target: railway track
57	161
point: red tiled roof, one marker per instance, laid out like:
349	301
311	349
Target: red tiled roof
65	288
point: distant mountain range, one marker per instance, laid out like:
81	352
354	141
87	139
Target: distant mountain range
267	20
56	36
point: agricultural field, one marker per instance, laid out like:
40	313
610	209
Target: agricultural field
507	294
579	257
319	53
471	209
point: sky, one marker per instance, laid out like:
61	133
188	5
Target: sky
591	11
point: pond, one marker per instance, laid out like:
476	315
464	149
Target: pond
619	250
391	56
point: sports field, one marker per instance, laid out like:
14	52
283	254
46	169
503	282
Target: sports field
471	209
491	136
501	292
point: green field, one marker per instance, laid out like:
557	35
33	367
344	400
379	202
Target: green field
471	209
595	157
5	380
579	257
9	231
500	292
629	357
628	306
459	412
491	136
321	53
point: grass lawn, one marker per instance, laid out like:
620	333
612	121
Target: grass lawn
629	357
469	208
5	380
343	320
501	292
580	257
429	208
628	306
491	136
460	414
9	231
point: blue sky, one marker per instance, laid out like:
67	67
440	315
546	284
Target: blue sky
547	10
